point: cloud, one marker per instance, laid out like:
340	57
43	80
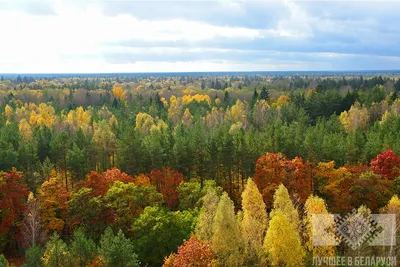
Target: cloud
67	36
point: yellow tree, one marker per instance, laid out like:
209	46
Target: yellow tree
46	115
187	118
282	242
175	109
356	117
53	205
393	207
283	203
204	228
8	112
144	122
25	129
314	206
254	223
226	241
104	137
118	93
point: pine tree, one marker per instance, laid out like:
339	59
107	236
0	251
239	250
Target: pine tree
264	95
33	257
254	222
254	98
83	250
204	228
226	240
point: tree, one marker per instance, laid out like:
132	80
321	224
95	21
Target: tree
56	253
193	253
189	194
264	95
166	181
254	223
3	261
127	201
59	149
117	250
386	164
33	257
13	195
283	203
204	228
76	163
226	241
53	205
104	137
158	231
282	242
83	250
101	183
270	173
32	230
314	206
393	207
371	190
88	212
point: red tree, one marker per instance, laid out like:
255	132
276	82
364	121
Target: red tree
193	253
271	171
166	181
100	183
386	164
13	197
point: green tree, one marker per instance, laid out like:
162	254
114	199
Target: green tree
76	163
264	95
128	200
158	232
117	250
33	257
83	249
56	253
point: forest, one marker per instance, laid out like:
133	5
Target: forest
193	169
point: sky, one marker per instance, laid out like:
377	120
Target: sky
93	36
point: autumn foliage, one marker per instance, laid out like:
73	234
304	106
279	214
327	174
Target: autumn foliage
166	181
193	253
386	164
13	196
100	183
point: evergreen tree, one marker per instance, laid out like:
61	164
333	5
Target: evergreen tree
33	257
117	250
264	95
83	250
227	99
56	253
254	98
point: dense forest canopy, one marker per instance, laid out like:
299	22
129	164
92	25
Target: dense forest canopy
119	170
